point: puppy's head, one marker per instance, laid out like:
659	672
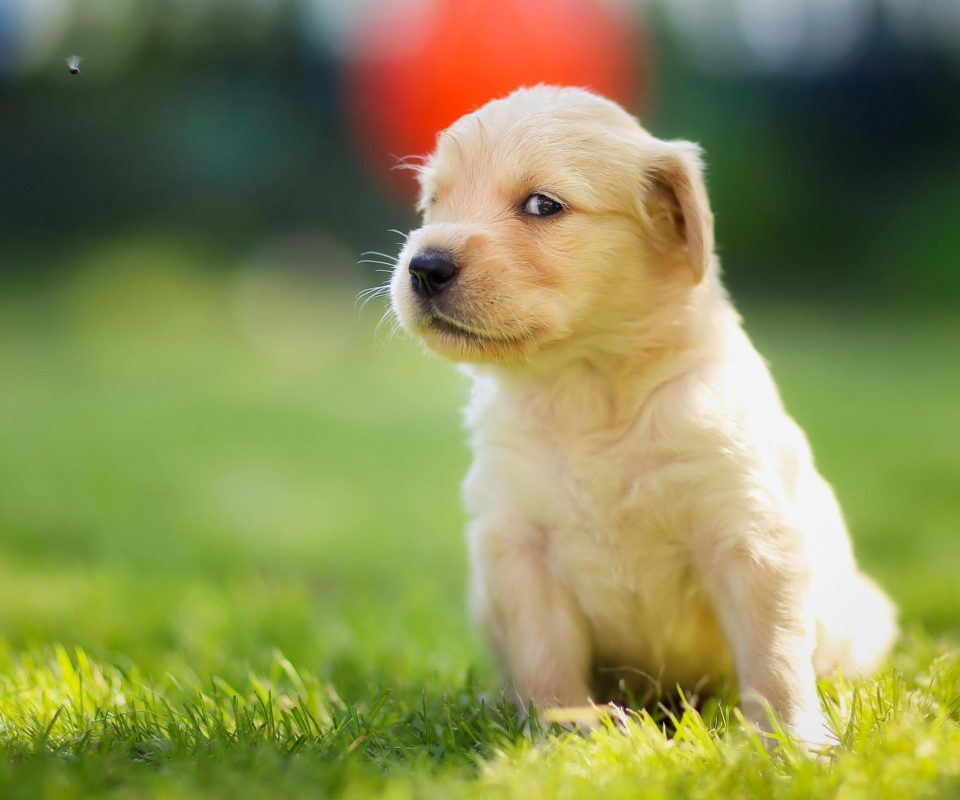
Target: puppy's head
549	218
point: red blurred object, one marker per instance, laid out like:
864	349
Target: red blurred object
418	65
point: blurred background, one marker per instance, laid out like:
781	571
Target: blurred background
208	450
831	126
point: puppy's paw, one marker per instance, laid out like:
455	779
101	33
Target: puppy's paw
806	730
811	732
583	718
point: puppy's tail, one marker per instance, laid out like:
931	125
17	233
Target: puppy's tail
856	627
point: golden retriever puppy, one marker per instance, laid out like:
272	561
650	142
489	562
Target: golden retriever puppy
639	497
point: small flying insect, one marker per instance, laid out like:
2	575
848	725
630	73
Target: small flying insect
73	64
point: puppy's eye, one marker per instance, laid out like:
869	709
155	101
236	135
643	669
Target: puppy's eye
542	206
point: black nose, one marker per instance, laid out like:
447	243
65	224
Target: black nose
431	272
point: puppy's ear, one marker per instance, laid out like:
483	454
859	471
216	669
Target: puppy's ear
677	207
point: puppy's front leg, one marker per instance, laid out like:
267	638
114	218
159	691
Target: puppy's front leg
530	617
760	598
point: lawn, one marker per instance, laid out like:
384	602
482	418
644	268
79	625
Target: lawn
231	561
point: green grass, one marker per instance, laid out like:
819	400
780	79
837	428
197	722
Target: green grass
231	561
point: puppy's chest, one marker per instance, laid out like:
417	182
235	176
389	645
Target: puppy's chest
614	536
609	523
608	508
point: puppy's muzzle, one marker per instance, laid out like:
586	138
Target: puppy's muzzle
431	271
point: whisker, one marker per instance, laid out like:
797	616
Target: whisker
399	233
406	162
369	294
395	328
378	253
363	305
374	290
388	315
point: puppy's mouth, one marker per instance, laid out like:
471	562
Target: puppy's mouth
440	322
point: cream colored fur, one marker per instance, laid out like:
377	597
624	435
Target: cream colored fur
639	497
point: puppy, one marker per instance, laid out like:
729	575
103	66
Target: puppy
639	497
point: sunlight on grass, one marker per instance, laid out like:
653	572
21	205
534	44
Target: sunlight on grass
896	734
